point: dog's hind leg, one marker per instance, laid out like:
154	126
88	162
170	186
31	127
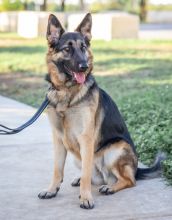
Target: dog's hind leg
122	167
124	180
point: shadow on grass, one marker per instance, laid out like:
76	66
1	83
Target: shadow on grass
141	86
34	49
128	51
157	67
23	49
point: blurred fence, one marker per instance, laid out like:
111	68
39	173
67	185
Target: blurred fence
28	24
8	21
106	26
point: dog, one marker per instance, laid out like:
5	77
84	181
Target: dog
85	120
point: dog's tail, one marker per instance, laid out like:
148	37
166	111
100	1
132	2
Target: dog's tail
152	172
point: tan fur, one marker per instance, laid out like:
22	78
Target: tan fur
124	168
57	79
117	159
59	150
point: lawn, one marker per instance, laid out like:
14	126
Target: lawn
136	73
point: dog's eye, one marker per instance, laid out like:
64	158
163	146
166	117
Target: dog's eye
67	49
83	48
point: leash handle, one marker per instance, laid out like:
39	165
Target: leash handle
7	131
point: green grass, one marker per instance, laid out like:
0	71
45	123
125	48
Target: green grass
21	55
136	73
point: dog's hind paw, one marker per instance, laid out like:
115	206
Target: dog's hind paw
76	182
47	195
106	190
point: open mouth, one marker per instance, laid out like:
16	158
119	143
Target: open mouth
78	76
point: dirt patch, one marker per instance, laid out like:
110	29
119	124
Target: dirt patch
24	88
19	79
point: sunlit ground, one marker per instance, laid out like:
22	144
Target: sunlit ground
136	73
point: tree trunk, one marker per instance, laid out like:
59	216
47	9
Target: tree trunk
44	6
25	5
62	5
143	10
82	5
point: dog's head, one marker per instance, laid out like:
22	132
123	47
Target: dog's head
69	57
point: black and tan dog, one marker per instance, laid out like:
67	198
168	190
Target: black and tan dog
85	120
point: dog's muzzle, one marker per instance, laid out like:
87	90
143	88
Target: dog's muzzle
83	66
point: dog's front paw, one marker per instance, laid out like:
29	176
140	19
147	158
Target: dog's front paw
76	182
106	190
86	203
47	195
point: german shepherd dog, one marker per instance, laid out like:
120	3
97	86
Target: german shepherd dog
85	120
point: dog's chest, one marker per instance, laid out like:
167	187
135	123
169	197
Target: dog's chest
75	123
66	128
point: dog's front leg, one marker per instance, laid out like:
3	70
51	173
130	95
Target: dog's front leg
59	161
59	157
87	152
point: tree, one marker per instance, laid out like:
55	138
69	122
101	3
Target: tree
8	5
143	9
82	5
44	6
62	5
25	5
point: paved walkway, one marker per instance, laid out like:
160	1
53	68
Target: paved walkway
155	31
26	168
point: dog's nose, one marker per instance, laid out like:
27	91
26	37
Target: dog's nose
83	66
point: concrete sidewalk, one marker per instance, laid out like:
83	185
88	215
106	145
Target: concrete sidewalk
26	168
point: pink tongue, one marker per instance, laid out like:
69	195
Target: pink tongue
80	77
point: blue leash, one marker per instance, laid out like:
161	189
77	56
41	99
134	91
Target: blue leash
8	131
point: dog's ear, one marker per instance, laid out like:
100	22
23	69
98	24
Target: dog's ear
85	26
54	30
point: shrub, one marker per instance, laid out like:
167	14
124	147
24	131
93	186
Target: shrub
8	5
